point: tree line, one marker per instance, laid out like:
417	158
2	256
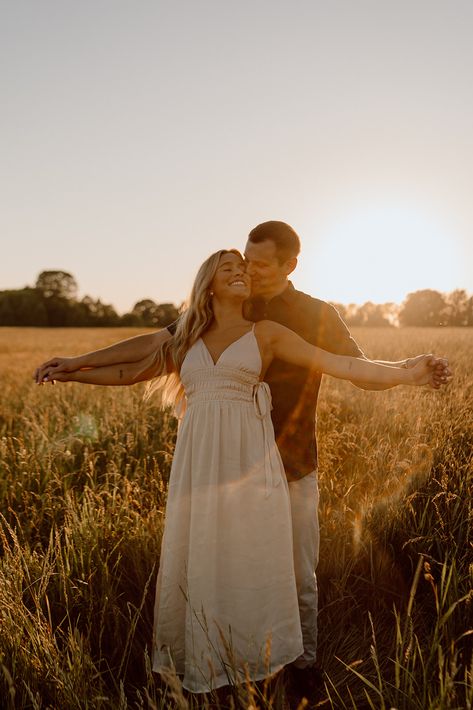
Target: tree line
420	308
53	301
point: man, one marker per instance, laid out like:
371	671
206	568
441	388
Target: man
271	255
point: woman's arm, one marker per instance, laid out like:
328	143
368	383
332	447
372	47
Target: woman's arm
125	351
120	374
284	344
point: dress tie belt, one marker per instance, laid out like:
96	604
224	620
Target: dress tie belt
272	463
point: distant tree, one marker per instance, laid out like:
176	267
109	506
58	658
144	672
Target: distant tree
391	312
167	313
57	284
353	315
97	313
424	308
469	311
22	307
61	311
130	320
373	314
457	307
105	314
154	315
146	311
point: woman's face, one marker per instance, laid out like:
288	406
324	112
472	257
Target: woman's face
231	279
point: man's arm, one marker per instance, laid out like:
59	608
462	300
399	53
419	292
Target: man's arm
125	351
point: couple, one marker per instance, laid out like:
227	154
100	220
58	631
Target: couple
240	545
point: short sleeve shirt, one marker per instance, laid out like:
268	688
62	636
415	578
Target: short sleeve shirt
295	389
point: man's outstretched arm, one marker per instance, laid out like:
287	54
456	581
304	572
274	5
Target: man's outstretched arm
129	350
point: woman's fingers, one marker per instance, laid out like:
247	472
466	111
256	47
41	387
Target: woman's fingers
52	366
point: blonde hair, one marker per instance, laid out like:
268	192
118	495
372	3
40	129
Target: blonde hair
166	362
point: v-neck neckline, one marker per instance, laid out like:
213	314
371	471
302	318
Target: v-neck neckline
216	362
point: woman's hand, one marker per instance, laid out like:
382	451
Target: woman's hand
51	369
425	371
440	366
125	351
61	377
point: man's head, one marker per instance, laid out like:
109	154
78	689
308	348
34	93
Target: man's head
271	255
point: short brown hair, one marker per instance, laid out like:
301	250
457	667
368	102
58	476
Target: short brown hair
283	236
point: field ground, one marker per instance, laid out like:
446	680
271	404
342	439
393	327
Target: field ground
83	477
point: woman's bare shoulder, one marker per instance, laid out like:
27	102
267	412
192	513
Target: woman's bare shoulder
269	329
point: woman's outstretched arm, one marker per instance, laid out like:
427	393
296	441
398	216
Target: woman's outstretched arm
282	343
121	374
125	351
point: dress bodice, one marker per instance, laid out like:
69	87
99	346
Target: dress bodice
242	352
234	378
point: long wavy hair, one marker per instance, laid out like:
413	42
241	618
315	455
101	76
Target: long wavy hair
166	362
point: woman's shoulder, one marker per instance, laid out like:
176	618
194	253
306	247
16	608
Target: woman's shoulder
268	328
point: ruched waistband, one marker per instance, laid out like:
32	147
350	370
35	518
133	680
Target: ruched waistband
216	384
236	385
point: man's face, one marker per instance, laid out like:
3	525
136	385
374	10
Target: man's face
268	276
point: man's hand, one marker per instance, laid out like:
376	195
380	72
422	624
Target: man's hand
49	370
440	373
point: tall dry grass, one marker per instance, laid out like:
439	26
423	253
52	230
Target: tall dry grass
83	487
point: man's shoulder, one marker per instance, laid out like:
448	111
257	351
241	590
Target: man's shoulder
320	323
312	303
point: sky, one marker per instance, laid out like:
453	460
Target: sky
138	137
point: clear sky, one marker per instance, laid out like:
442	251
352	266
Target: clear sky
137	137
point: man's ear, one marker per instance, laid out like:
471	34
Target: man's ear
291	265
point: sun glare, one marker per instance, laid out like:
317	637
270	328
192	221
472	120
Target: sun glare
380	255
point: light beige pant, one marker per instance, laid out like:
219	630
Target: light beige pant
304	495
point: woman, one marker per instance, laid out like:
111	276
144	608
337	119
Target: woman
226	601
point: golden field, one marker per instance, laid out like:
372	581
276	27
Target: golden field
83	477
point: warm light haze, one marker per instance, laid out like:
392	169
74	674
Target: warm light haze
139	137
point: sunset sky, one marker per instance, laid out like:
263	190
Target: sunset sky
137	137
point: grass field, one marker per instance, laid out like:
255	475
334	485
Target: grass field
83	478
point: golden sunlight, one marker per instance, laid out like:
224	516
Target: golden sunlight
382	253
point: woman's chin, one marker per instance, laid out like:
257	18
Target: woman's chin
240	294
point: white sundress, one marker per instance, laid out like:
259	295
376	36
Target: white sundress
226	600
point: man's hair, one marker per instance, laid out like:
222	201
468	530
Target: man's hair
283	236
